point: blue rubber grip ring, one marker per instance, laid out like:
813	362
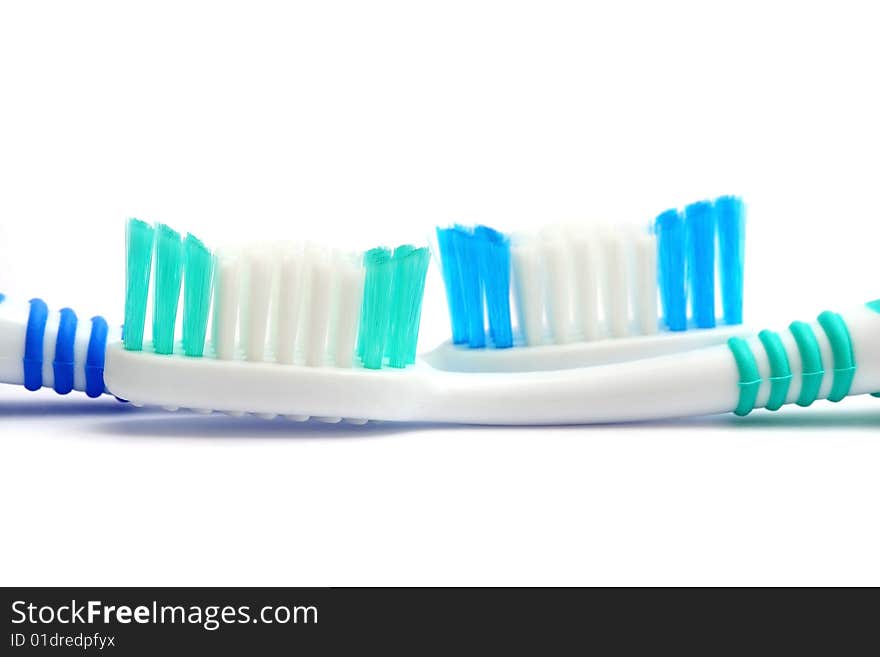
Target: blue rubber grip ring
95	357
33	344
63	364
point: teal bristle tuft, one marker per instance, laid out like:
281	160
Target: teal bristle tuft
407	289
376	307
166	293
138	260
198	268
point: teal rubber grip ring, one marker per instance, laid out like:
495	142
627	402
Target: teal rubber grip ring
749	376
844	359
780	369
811	361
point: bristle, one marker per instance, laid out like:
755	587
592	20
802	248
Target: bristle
138	261
617	284
320	287
700	223
670	231
557	289
399	293
198	269
420	264
730	214
472	289
166	293
375	307
587	265
408	280
645	283
226	299
349	290
452	281
290	295
528	287
494	258
258	294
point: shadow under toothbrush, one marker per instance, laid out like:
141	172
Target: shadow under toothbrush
185	425
129	421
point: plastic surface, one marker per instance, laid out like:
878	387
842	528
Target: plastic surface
699	382
450	357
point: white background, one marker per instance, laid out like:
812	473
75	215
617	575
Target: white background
365	123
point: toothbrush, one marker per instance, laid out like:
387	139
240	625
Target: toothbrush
588	295
252	292
615	269
830	359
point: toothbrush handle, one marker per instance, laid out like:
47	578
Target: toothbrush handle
44	349
836	356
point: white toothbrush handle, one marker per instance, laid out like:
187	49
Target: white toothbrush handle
40	348
702	382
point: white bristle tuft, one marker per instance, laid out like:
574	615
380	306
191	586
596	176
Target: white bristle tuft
349	290
290	294
645	288
587	268
527	285
317	316
558	284
226	298
258	294
616	297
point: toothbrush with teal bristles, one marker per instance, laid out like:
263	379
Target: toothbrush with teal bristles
307	332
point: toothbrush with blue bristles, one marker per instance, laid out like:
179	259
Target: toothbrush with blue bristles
306	332
582	295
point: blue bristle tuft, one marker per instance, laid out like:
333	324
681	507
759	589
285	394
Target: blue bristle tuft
449	259
494	249
669	228
467	252
730	212
700	224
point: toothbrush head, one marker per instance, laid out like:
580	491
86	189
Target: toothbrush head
287	304
584	283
